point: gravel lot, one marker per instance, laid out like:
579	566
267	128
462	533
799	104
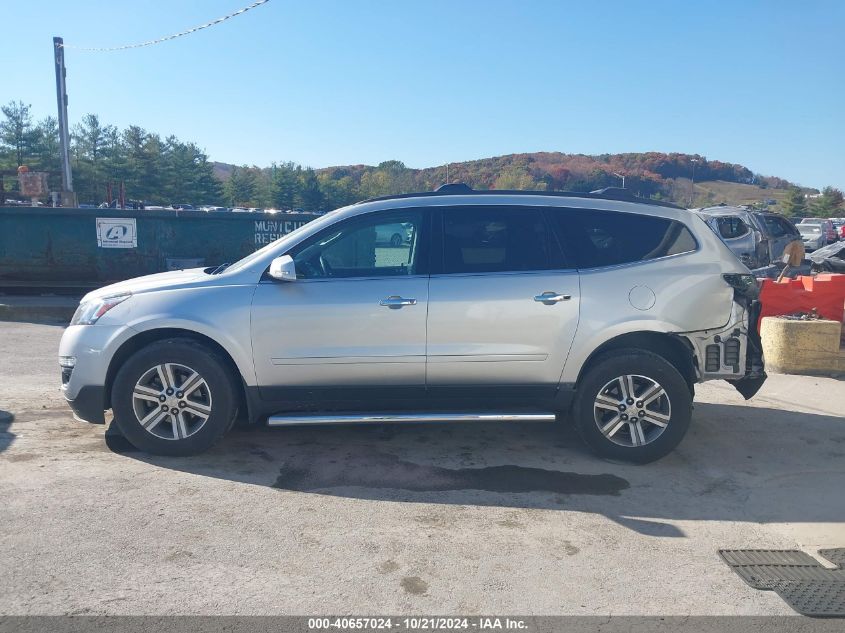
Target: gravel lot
422	519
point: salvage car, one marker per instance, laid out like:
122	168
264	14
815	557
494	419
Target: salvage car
828	259
604	309
813	235
757	238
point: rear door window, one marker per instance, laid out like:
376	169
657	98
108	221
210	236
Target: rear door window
776	227
496	239
731	227
595	238
787	227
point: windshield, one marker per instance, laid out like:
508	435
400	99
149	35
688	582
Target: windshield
810	228
246	261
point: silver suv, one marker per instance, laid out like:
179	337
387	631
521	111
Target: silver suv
496	305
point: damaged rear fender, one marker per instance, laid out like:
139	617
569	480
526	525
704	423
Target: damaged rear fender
734	352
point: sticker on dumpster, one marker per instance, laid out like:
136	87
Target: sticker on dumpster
117	233
267	231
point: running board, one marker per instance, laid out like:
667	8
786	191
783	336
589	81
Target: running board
388	418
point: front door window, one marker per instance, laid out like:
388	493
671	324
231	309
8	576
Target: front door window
378	245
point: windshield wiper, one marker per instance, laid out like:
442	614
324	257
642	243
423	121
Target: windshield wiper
219	269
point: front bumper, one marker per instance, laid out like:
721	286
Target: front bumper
84	386
89	404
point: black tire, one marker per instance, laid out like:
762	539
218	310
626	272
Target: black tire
220	389
396	240
650	366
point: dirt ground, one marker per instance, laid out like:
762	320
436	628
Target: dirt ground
420	519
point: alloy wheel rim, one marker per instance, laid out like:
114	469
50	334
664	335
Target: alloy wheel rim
632	410
171	401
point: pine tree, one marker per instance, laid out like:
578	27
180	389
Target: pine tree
795	203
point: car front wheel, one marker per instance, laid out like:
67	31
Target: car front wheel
632	405
173	397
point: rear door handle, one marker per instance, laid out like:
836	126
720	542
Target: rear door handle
551	298
395	302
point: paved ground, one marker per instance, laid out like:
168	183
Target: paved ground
413	520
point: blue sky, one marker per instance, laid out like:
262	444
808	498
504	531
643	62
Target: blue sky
435	81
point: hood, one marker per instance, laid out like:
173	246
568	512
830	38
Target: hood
829	252
148	283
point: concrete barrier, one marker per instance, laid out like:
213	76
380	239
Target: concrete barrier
802	347
824	293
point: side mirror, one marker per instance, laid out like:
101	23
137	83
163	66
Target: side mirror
283	269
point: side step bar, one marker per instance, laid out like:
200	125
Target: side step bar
386	418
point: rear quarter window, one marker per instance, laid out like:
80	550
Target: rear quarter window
596	238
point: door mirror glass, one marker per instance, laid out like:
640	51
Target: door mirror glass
283	269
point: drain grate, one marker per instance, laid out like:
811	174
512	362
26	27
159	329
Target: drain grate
736	557
835	556
798	578
816	598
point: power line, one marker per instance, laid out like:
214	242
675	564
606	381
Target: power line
171	37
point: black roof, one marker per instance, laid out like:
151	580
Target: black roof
459	189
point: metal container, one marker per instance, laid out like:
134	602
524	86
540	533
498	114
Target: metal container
46	246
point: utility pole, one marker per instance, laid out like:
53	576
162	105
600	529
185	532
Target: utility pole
692	186
64	133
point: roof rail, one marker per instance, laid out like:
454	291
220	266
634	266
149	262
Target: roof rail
460	189
454	188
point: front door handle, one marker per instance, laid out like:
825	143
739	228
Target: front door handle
551	298
395	302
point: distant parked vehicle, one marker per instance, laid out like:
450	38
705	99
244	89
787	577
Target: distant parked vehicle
756	238
812	235
828	229
183	207
393	234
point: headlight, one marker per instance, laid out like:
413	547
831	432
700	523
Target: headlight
89	312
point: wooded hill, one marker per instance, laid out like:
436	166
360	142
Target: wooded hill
165	170
651	175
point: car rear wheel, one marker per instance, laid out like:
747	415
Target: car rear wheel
632	405
173	397
396	240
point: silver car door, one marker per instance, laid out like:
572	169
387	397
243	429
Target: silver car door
502	313
354	317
